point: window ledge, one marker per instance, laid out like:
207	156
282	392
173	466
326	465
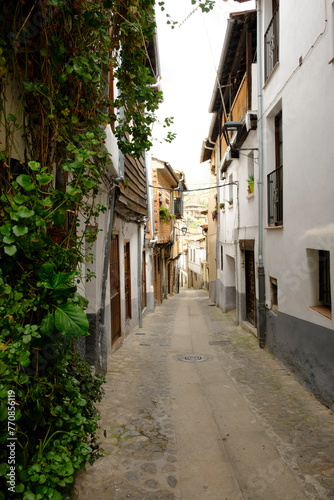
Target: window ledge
274	227
325	311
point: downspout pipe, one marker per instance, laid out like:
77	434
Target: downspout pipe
140	312
101	365
218	220
261	274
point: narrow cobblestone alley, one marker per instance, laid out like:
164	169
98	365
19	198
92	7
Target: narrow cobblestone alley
233	425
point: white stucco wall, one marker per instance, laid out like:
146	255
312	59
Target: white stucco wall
304	93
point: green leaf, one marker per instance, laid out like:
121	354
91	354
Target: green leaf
71	320
47	202
30	86
88	183
24	212
73	192
21	199
47	273
25	182
6	229
62	78
23	378
10	250
34	165
20	230
29	496
69	68
44	178
43	51
12	118
59	216
47	324
8	240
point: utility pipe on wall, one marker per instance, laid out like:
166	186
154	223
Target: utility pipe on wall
261	275
140	313
102	362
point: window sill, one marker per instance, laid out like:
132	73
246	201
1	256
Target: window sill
324	311
274	227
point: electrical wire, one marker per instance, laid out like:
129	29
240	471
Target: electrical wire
192	190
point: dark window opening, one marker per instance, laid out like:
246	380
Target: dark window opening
325	297
275	178
271	42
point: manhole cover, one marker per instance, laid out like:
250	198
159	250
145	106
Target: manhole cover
192	358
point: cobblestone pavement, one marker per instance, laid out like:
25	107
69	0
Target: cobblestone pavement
141	453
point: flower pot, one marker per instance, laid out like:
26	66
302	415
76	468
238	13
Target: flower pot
57	235
251	186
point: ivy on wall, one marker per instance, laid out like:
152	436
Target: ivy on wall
55	63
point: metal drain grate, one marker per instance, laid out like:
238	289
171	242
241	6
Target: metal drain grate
192	358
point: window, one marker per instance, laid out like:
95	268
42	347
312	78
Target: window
221	258
274	294
271	41
250	172
230	189
275	178
319	262
127	280
325	298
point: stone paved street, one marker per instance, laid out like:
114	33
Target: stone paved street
234	426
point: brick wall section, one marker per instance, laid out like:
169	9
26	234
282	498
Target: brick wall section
162	229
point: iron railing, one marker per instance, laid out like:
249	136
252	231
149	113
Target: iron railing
271	44
275	197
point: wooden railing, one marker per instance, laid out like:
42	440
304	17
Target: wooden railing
239	108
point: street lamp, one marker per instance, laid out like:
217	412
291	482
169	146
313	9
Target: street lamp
231	127
184	230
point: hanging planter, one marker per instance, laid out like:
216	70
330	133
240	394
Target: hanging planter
214	214
250	181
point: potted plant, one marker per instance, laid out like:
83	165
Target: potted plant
230	202
214	213
222	206
250	181
165	214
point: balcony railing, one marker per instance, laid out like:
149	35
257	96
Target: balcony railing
275	197
239	107
271	44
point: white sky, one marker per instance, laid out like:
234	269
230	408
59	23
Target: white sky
189	58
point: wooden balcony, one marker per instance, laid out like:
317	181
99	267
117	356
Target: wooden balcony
240	106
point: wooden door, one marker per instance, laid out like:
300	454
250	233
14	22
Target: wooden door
127	280
250	287
143	283
157	278
115	303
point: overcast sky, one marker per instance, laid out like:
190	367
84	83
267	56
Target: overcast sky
189	58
